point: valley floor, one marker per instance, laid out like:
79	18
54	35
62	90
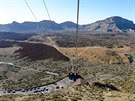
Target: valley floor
103	65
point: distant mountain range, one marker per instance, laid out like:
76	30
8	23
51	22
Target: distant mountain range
112	24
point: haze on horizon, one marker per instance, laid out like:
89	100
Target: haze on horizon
65	10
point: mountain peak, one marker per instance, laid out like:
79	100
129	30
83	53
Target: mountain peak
112	24
68	25
118	19
15	22
46	21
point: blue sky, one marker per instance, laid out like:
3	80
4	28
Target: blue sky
65	10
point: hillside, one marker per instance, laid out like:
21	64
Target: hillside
112	24
40	51
100	54
31	61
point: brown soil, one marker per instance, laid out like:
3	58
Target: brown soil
100	54
40	52
4	44
35	51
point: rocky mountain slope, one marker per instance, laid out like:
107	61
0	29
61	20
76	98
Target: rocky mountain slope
68	25
112	24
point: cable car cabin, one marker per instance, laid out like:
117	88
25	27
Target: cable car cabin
78	80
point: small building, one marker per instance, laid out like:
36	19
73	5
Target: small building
78	80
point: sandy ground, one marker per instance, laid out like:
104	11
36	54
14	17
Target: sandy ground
118	96
101	54
8	51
